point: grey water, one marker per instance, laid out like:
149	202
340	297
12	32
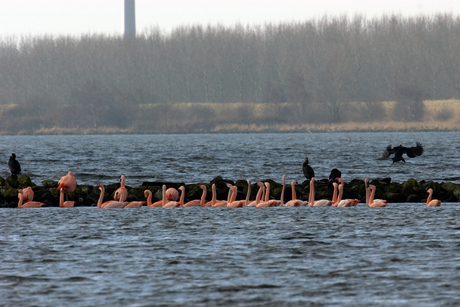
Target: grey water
198	158
402	255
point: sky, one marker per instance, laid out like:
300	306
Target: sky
75	17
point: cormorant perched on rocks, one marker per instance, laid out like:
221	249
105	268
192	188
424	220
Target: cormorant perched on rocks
307	170
14	165
335	173
398	151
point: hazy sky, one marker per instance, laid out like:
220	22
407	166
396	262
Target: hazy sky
74	17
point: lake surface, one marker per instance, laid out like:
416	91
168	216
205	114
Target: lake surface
198	158
402	255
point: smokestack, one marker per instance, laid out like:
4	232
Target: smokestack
130	19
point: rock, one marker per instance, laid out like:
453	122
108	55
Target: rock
12	181
24	181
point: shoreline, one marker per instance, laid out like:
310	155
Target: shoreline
389	126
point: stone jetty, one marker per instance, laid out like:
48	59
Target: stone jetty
87	195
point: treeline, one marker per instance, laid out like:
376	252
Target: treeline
317	68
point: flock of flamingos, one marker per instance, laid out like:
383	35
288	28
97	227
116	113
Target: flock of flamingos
68	183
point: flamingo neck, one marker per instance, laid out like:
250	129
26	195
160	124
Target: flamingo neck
430	195
294	195
163	196
182	195
267	194
149	198
20	200
259	194
371	198
248	194
282	191
214	195
61	198
203	197
339	198
101	197
367	192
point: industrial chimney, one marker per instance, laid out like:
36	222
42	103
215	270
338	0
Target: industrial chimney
130	19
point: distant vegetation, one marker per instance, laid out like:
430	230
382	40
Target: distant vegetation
339	73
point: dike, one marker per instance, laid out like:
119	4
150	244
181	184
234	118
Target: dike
87	195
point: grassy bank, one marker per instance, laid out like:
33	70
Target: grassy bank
439	115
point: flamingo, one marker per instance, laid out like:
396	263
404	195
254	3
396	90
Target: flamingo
273	203
316	203
198	202
172	194
174	204
248	193
29	204
233	203
157	204
224	203
111	204
432	202
281	201
294	202
334	194
366	181
121	193
67	183
62	203
345	202
258	195
28	194
214	197
375	203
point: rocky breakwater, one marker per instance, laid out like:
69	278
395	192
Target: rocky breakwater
87	195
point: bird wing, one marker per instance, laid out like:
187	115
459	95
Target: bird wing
388	151
415	151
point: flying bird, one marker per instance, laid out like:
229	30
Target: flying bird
398	152
307	170
14	165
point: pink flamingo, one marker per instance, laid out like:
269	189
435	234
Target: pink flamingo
27	194
174	204
111	204
65	204
366	181
375	203
121	194
258	195
272	202
345	202
281	201
214	197
172	194
224	203
233	203
432	202
311	199
294	202
334	194
198	202
157	204
29	204
68	183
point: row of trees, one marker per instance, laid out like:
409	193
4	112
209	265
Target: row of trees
319	65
